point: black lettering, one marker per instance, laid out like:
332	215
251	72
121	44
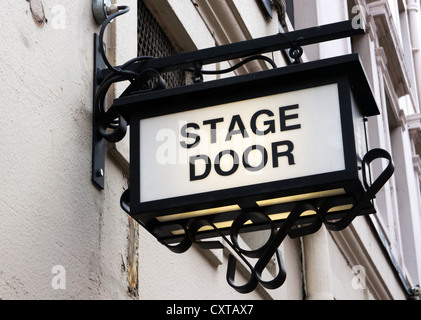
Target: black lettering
276	154
246	158
284	118
193	175
235	166
236	120
212	124
190	135
270	124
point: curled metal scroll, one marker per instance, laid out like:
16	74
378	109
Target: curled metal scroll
261	253
146	81
182	246
113	127
296	52
368	196
197	72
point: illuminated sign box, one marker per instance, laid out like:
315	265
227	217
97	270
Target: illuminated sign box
266	140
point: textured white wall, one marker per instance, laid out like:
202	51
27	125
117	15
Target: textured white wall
50	212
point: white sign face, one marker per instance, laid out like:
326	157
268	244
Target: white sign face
272	138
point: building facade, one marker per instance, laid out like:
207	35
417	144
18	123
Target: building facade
61	237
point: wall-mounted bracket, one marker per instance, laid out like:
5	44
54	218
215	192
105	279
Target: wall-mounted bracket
98	141
107	124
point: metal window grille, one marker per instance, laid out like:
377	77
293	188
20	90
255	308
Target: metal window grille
152	41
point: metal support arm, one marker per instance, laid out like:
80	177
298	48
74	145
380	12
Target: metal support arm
280	41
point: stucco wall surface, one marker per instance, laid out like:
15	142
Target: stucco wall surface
51	214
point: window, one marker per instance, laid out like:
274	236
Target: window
152	41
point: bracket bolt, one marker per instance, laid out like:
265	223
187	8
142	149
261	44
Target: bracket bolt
100	10
100	173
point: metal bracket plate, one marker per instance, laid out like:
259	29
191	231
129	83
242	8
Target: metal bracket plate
98	141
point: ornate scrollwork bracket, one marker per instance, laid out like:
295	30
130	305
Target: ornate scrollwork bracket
290	227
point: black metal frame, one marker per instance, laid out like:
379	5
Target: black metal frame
137	103
242	88
98	140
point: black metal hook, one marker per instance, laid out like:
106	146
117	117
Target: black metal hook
118	125
273	246
250	285
296	52
255	217
194	228
197	76
369	194
266	252
279	279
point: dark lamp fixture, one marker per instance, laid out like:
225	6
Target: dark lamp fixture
334	191
283	150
